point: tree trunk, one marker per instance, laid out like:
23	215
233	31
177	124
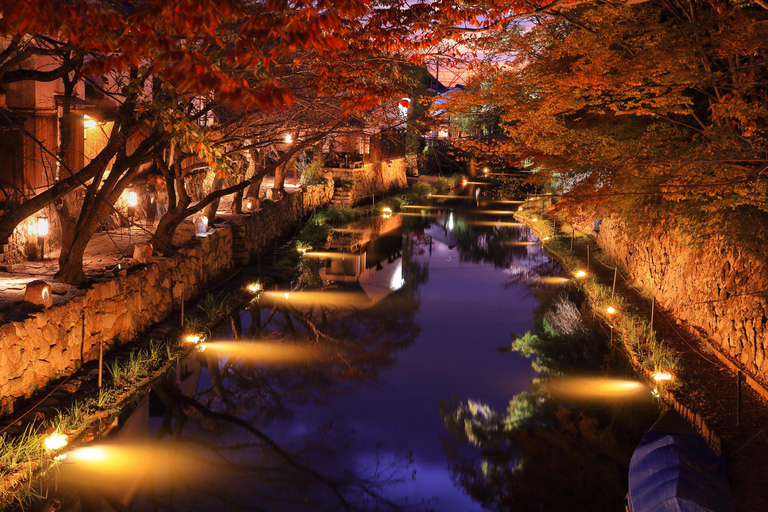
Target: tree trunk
178	201
211	209
281	172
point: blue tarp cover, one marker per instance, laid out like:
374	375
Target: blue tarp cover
676	472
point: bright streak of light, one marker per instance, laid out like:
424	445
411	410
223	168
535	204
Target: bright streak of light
308	298
519	243
451	224
329	254
553	280
474	212
268	352
119	466
90	454
497	224
596	388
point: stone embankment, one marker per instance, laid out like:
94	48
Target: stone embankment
368	180
719	290
55	341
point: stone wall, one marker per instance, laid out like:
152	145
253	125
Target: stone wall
255	233
717	289
55	341
373	178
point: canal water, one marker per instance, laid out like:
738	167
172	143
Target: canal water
392	389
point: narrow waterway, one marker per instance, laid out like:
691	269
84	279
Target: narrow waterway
392	389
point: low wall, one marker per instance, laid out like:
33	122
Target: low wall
372	178
255	233
719	290
55	341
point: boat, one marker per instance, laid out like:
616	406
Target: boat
674	470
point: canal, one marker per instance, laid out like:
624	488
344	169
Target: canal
431	373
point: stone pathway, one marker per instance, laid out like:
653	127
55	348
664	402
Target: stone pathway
105	251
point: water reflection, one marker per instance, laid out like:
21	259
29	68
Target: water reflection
329	399
564	445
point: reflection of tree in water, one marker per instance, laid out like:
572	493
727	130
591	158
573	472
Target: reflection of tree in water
491	244
224	427
544	453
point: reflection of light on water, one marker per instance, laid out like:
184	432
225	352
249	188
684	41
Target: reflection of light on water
309	298
90	454
497	224
329	254
267	352
553	280
450	222
122	466
595	388
519	243
397	281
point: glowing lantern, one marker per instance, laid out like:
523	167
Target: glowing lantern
89	122
195	337
254	287
662	376
55	442
534	219
133	199
42	226
288	138
579	273
486	170
611	310
464	182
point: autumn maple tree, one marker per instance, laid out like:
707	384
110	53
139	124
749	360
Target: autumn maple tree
629	105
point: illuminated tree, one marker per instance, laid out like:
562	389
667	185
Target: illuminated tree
631	105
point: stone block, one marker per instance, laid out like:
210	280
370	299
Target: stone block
184	233
142	253
38	293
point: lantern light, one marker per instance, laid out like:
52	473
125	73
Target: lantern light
464	182
486	170
133	199
611	310
89	122
534	219
288	138
42	226
195	337
662	376
386	212
579	273
255	287
55	441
